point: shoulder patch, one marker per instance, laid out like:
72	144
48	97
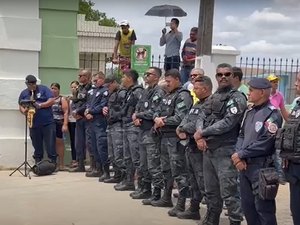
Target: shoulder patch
181	105
155	98
233	110
272	128
230	102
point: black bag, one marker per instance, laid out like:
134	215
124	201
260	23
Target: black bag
44	167
268	183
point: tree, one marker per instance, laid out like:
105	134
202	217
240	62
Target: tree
86	7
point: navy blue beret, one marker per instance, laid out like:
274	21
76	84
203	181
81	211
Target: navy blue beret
259	83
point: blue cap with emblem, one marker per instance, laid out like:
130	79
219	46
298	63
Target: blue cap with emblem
259	83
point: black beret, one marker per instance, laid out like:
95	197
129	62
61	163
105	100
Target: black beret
259	83
30	79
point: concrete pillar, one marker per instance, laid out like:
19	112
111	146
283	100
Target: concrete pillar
220	54
20	43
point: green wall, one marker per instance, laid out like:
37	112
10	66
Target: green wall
59	56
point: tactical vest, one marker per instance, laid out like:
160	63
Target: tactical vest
125	43
81	95
130	103
288	137
145	103
215	108
115	105
168	108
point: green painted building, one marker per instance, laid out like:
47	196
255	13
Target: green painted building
59	56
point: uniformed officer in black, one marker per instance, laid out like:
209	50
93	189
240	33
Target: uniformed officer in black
289	144
131	132
185	131
114	129
149	143
80	100
216	136
94	114
173	108
254	150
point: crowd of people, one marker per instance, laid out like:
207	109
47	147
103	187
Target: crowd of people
221	146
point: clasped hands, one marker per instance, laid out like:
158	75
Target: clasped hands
201	142
238	163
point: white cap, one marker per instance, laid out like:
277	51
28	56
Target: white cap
124	23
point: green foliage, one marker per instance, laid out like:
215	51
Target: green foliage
86	7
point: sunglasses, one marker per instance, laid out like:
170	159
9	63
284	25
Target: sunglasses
228	74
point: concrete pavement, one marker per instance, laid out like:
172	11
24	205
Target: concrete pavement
72	199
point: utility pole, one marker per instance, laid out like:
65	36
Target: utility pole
205	27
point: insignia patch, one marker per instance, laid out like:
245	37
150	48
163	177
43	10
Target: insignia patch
90	92
146	104
97	94
105	93
191	111
169	102
258	126
293	113
230	102
233	110
164	101
196	111
180	105
297	113
272	128
38	95
128	98
155	98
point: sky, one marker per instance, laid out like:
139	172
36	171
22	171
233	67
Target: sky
258	28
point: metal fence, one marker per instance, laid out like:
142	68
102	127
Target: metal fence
286	69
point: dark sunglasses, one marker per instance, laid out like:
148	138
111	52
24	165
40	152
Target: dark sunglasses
228	74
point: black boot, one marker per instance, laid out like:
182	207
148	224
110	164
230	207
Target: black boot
96	172
144	193
105	174
211	218
192	212
122	182
115	179
140	186
92	164
79	168
180	206
165	200
154	197
126	186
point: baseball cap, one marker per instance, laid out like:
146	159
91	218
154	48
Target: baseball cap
260	83
273	77
30	79
124	23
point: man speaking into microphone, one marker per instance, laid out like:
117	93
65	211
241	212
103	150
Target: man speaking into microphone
39	118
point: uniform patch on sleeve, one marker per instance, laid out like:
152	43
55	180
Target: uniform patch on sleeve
230	102
272	128
155	98
233	110
180	105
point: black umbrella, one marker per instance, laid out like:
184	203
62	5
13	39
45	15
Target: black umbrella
166	11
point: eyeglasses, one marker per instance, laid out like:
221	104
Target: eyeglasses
228	74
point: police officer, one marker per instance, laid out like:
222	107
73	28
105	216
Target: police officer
254	150
175	105
148	142
80	100
42	128
216	136
94	113
114	129
185	131
131	132
288	142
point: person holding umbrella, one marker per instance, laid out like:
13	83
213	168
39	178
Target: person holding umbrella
172	40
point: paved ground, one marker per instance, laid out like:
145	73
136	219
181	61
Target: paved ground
72	199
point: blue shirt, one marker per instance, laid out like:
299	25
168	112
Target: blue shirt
42	116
